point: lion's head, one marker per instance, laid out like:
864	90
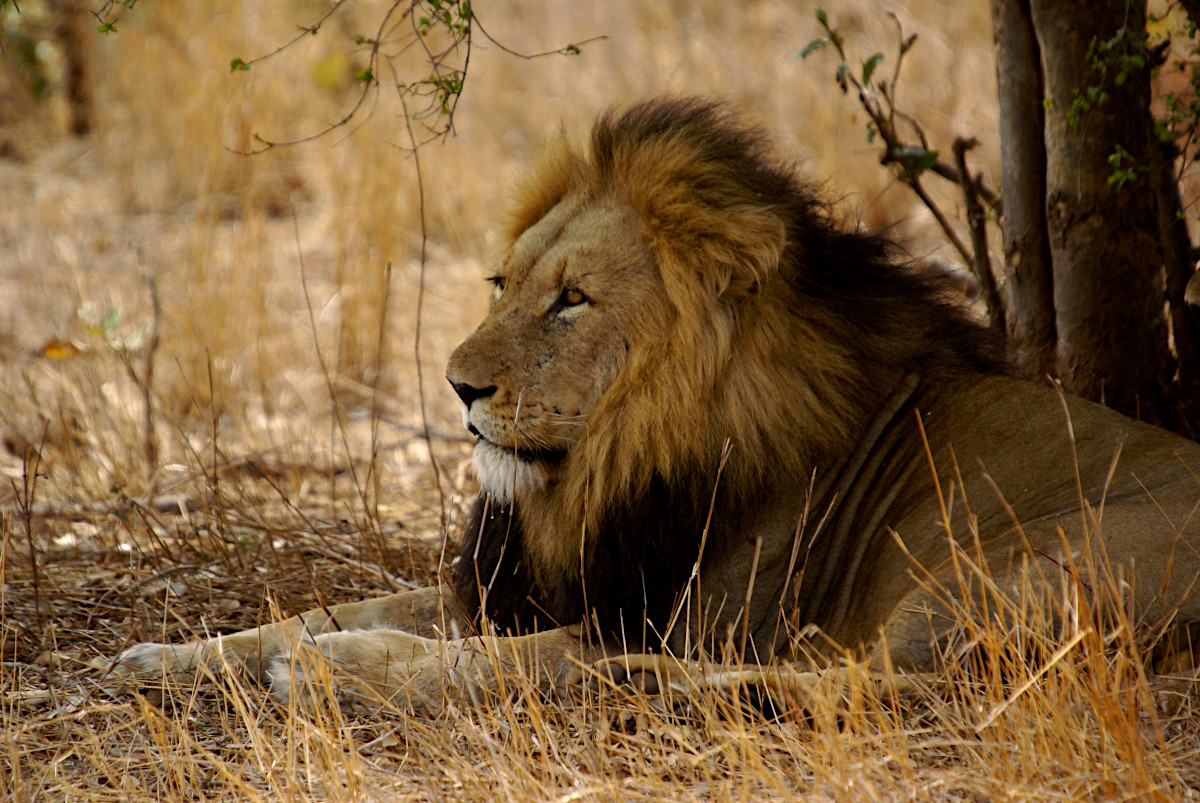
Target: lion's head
666	293
572	296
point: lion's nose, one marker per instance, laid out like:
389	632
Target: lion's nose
469	393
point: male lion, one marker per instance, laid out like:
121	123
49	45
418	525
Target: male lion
713	422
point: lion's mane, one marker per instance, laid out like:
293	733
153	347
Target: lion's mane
788	332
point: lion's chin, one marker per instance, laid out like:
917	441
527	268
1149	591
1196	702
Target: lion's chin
506	475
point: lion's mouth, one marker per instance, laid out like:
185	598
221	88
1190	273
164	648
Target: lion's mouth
521	454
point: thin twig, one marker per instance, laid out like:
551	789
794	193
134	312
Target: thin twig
149	438
437	474
977	222
25	497
571	49
336	421
310	30
372	61
982	191
935	210
376	412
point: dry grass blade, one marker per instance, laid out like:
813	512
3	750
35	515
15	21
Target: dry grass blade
1062	653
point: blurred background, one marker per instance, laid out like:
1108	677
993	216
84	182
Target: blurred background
168	302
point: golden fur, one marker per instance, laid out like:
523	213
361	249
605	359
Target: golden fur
733	243
686	356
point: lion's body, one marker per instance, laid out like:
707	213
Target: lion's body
1005	457
707	417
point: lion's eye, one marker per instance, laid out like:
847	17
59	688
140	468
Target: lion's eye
571	297
498	283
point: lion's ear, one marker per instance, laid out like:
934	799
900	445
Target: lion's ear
756	238
730	251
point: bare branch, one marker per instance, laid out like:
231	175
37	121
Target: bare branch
437	474
981	264
941	219
372	60
571	49
309	30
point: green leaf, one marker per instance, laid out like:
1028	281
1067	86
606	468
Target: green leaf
238	64
869	67
822	17
107	27
366	76
916	158
842	75
571	50
813	47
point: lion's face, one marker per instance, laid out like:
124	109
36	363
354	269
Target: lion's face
572	295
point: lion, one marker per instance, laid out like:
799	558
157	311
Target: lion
714	422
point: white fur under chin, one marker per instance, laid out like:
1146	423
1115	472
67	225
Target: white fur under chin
503	476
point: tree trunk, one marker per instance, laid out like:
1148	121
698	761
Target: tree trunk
76	27
1179	262
1108	285
1029	277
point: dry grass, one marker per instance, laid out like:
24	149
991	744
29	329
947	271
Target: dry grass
283	464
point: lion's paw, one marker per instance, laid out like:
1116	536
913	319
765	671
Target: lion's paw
649	673
181	662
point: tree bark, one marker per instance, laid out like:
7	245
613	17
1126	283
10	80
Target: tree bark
1029	277
1179	263
1108	284
75	29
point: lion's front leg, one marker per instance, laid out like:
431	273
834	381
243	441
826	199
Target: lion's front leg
424	612
376	669
249	651
779	681
391	669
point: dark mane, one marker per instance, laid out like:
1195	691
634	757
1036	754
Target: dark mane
632	580
858	276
